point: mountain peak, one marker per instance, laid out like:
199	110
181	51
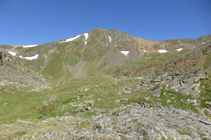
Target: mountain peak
99	50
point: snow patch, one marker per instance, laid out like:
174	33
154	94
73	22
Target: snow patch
28	46
193	46
21	56
203	43
109	38
86	36
70	39
162	51
115	45
12	53
179	49
125	52
29	58
33	57
144	50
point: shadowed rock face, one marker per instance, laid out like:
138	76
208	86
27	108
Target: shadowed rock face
1	57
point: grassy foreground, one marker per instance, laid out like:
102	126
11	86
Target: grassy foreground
85	97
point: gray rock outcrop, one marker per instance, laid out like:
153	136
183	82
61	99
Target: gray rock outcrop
186	83
136	122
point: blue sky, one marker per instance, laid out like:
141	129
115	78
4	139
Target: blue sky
42	21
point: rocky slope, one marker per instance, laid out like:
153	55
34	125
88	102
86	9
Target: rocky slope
185	83
13	71
128	122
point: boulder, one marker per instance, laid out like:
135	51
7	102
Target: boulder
208	102
194	102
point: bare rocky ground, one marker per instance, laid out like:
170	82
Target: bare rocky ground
132	122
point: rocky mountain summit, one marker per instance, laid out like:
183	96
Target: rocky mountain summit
106	84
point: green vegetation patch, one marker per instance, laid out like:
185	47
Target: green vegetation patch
71	61
177	100
94	94
205	93
19	48
207	61
168	99
30	49
19	104
6	47
16	135
54	69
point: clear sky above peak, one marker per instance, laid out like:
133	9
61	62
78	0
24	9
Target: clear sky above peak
42	21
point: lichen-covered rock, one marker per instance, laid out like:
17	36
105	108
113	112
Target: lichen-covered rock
134	122
84	106
124	90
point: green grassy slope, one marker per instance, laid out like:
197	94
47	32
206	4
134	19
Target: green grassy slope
65	99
